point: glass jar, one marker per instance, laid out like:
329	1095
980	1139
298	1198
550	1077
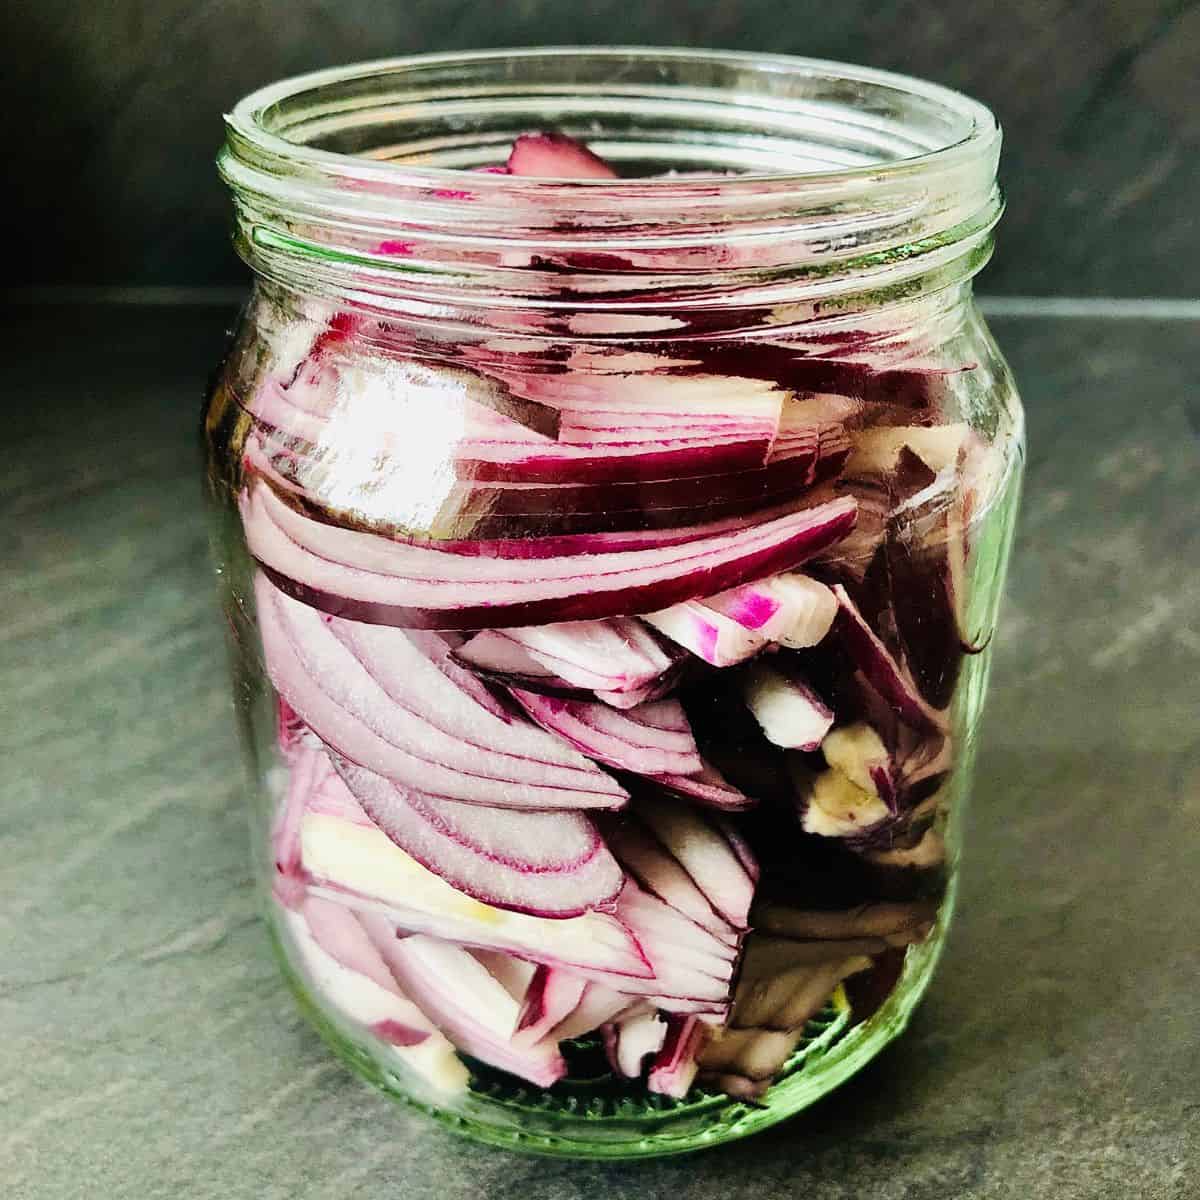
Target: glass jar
611	544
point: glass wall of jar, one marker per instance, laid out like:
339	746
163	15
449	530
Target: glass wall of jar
612	481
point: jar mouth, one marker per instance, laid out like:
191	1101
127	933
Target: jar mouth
795	109
757	168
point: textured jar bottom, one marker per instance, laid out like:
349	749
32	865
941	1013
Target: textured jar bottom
592	1115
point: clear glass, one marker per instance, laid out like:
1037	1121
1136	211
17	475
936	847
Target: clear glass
612	567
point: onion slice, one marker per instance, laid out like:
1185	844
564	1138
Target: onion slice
555	156
369	577
674	1067
469	1006
376	715
787	710
614	655
346	857
881	670
550	864
703	850
651	739
352	976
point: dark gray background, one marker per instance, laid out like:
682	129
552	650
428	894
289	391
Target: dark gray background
150	1050
113	114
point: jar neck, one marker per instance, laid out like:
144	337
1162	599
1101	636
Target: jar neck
856	191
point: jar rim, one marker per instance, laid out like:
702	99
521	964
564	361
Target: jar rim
744	178
251	117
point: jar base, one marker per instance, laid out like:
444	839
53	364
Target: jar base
591	1115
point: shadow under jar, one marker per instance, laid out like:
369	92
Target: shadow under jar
611	544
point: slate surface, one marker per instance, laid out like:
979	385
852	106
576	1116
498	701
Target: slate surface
117	113
149	1050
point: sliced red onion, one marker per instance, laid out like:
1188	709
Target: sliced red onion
881	669
376	720
791	609
708	634
632	1039
514	974
924	764
353	978
880	919
833	449
820	451
622	739
708	787
498	658
692	969
753	605
659	872
743	441
555	156
905	495
470	1007
802	452
637	459
877	450
606	405
646	694
704	495
292	734
402	661
438	649
852	558
614	655
807	613
598	1005
668	717
925	559
690	946
902	831
738	844
689	962
814	410
531	547
305	770
804	444
830	805
858	752
734	744
927	855
787	710
418	385
364	576
547	864
779	990
342	405
674	1067
350	860
550	532
340	934
705	853
912	387
553	995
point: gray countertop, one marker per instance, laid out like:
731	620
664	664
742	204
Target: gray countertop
150	1050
